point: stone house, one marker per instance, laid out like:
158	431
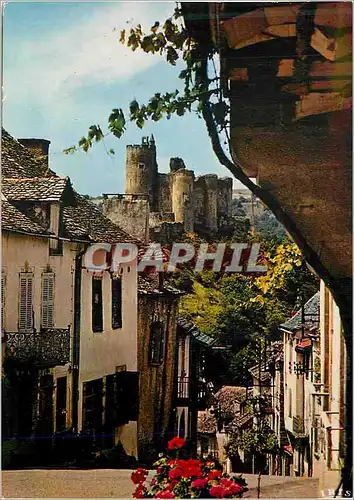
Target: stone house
157	363
329	396
70	336
301	349
193	391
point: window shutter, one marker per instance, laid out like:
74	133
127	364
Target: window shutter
3	284
26	302
47	310
97	305
116	303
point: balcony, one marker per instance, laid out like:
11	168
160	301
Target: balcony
191	391
298	426
183	388
49	347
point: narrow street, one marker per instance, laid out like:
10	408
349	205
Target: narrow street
113	483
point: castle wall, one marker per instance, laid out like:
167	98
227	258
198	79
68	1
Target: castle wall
156	218
198	200
211	202
164	193
167	232
182	198
224	201
131	216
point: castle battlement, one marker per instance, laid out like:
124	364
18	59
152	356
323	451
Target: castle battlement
171	198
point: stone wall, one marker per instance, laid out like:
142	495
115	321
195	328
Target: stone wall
131	216
156	382
164	193
167	232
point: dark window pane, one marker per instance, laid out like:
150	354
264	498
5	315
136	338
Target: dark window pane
97	313
157	343
61	404
93	406
116	303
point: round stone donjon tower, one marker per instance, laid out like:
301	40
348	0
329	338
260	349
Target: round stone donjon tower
141	170
182	198
211	202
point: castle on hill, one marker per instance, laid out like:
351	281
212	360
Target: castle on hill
162	206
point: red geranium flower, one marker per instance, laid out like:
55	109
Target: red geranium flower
214	474
139	476
176	473
164	494
199	484
176	443
218	491
139	492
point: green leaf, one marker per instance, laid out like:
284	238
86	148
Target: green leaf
122	36
117	123
69	151
155	26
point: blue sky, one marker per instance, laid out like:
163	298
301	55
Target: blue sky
64	70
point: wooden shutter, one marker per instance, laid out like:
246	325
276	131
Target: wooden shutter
116	303
26	302
97	306
3	284
47	309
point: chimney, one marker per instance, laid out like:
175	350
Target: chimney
38	147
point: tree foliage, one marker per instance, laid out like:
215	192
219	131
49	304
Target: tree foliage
171	40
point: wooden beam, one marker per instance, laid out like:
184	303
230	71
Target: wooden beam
282	30
334	15
238	74
316	103
285	68
245	27
323	45
281	14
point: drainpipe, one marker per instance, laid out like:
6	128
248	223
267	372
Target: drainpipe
76	341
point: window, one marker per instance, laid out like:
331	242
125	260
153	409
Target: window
47	308
157	343
3	285
93	406
61	404
97	312
26	302
290	402
116	303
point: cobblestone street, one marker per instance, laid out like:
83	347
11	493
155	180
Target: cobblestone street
113	483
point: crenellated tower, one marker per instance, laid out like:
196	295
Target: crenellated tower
141	170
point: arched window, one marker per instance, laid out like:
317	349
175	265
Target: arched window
157	343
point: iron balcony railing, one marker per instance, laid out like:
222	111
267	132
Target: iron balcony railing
48	347
187	387
183	388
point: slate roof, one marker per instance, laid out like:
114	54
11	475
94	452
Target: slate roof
26	178
13	219
311	316
85	221
239	421
18	162
148	284
199	336
229	397
35	188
